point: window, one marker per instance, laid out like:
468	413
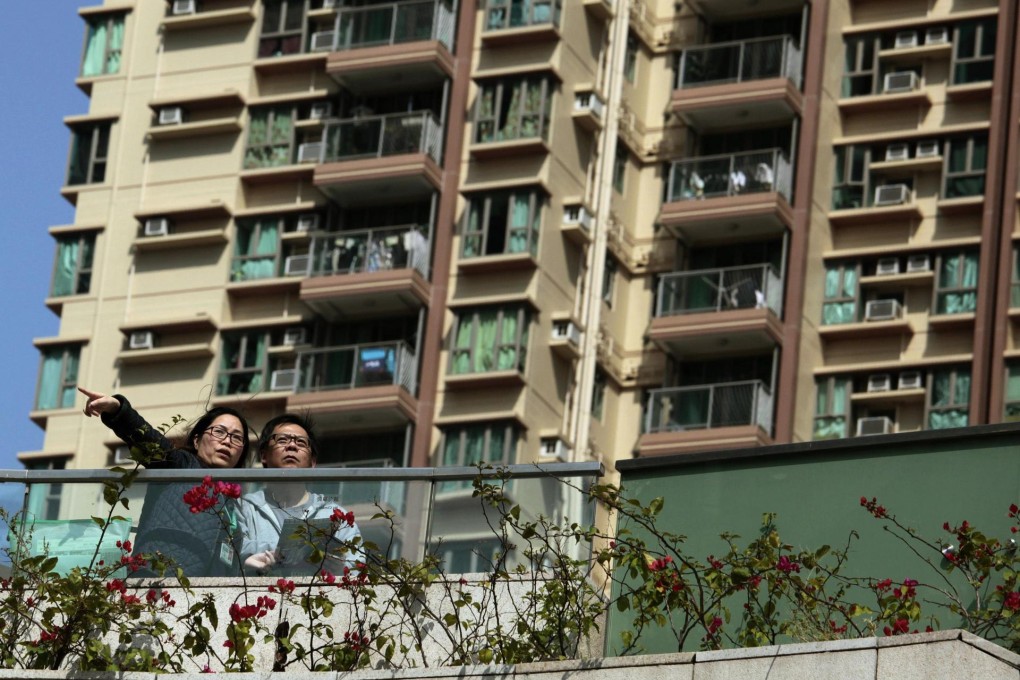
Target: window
516	13
840	305
89	144
965	168
243	363
849	188
950	396
270	138
58	378
469	557
468	445
620	168
282	26
609	281
974	51
503	222
1014	289
513	109
832	407
44	498
103	44
490	339
72	271
598	394
255	249
956	292
630	59
1012	406
859	66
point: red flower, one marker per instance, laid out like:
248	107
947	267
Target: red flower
883	585
327	576
786	565
341	517
206	669
715	625
660	564
283	586
1012	601
1014	510
228	644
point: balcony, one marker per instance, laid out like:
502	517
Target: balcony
511	22
698	312
721	85
701	417
369	159
382	271
746	192
381	46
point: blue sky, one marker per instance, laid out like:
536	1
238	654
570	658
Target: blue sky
44	43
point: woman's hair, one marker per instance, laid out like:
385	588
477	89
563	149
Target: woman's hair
203	424
303	422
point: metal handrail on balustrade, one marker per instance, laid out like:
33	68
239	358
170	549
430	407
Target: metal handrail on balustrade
718	290
701	407
730	175
739	61
351	366
378	136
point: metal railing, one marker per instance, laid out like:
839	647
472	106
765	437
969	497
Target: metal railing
352	366
675	409
730	175
51	512
379	136
502	14
740	61
389	23
370	250
718	290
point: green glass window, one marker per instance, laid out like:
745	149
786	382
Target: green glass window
965	171
630	59
270	137
255	250
243	363
832	407
850	178
974	51
58	377
503	222
840	304
72	271
516	108
44	499
103	44
859	66
1012	405
490	339
598	394
282	28
956	291
950	399
502	14
469	445
89	144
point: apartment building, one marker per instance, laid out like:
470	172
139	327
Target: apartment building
537	230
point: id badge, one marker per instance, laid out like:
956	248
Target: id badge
226	553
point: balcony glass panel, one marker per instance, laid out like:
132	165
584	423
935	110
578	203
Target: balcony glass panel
391	23
371	250
352	366
737	62
379	136
51	513
719	290
676	409
502	14
730	175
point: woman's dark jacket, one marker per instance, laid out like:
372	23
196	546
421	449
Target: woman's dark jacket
198	542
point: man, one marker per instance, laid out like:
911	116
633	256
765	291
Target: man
271	517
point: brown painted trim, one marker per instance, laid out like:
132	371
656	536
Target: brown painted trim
785	391
1009	29
1002	128
432	343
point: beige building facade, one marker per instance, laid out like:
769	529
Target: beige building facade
536	230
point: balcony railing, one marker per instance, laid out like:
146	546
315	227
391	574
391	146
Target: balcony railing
377	137
388	23
719	290
730	175
676	409
351	366
370	250
51	513
740	61
501	14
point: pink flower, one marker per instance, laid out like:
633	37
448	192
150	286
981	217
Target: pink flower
786	565
1012	601
715	625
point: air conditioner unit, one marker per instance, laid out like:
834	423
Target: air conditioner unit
297	265
927	148
900	81
320	110
888	266
891	194
881	310
936	35
122	455
905	39
910	380
874	425
566	330
554	447
918	263
322	41
141	340
157	226
897	152
183	7
294	336
879	382
577	214
284	380
309	152
171	115
308	222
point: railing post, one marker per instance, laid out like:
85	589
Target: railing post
740	61
711	406
393	23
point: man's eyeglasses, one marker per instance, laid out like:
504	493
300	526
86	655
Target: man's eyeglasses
218	433
283	439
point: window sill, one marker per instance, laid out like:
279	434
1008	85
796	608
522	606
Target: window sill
890	397
861	329
510	147
879	102
495	37
278	173
492	379
263	286
969	91
41	416
958	206
197	350
209	19
206	237
196	129
497	263
289	63
948	321
872	215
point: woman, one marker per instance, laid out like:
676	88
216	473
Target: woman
201	544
